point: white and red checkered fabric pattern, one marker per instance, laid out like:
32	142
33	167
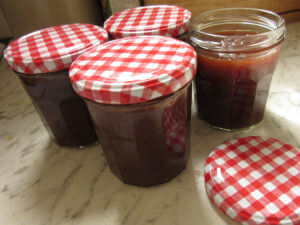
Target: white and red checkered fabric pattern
163	20
133	70
255	180
52	49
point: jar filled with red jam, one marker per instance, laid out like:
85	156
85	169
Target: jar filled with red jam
237	50
41	60
138	92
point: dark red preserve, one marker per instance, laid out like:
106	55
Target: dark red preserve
41	60
63	112
146	143
138	92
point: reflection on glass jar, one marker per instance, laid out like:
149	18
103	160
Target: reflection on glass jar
174	119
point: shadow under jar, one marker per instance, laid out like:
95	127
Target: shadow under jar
41	60
138	92
237	50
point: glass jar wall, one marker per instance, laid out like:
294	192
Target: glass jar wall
237	50
146	143
63	112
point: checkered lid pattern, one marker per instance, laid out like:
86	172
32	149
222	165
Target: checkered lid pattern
133	70
52	49
163	20
255	180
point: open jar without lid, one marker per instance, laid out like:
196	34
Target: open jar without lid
138	91
237	52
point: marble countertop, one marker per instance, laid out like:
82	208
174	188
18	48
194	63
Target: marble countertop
43	184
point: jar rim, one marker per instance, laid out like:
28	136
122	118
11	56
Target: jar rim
275	26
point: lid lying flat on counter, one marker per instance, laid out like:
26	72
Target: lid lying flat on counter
255	180
52	49
163	20
133	70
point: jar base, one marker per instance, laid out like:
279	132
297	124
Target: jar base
229	129
76	146
152	183
88	145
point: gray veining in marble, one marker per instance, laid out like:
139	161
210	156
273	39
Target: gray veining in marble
43	184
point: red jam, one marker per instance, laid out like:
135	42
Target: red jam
146	143
62	111
232	90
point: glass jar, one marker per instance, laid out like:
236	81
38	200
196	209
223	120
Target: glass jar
237	50
138	92
41	60
63	112
146	143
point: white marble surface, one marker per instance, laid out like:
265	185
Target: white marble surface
43	184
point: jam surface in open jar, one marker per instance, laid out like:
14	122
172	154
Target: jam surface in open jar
232	87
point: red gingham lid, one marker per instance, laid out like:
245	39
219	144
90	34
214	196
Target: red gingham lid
255	180
133	70
163	20
52	49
